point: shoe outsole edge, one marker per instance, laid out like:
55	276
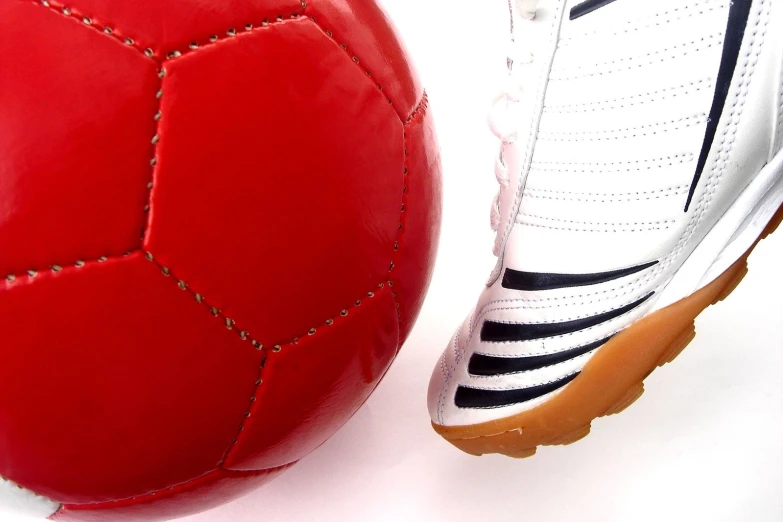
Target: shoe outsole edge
610	382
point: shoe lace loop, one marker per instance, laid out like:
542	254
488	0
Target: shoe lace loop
500	120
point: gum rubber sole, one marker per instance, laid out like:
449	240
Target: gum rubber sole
611	381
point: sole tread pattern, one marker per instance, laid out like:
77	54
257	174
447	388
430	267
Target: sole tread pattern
631	396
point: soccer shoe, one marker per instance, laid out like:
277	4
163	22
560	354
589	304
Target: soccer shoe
641	163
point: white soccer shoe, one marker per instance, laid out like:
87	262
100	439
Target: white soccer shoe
641	163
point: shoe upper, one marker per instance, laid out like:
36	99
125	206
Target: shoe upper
639	125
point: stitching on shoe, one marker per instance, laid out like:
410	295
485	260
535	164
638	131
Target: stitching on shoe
530	148
650	129
512	354
632	100
523	303
596	223
553	321
653	21
615	66
587	197
590	227
512	386
726	142
725	146
448	373
642	307
664	161
700	208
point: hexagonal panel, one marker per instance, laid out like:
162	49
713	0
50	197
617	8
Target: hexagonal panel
279	182
115	383
76	120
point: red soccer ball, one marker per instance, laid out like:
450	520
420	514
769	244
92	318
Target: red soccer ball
217	223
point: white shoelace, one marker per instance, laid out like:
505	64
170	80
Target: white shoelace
499	117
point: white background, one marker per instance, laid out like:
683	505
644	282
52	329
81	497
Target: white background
705	441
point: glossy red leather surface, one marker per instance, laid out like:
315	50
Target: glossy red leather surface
336	368
363	29
312	198
197	495
258	181
114	383
48	134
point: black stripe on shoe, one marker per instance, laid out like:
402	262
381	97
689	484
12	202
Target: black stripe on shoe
739	12
488	365
534	281
494	332
588	7
467	397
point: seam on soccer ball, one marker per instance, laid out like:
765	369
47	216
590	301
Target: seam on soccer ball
420	110
233	32
278	348
229	323
88	21
13	484
176	488
244	335
35	272
149	52
157	117
353	57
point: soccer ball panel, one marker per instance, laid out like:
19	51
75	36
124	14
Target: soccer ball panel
77	121
217	221
115	383
278	188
